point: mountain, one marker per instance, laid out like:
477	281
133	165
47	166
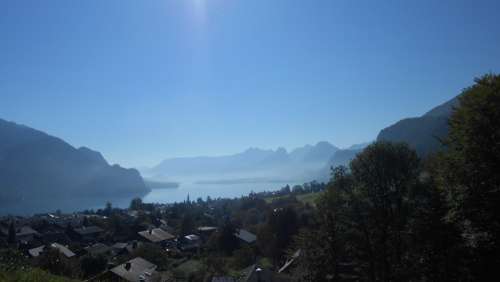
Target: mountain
254	163
423	133
320	152
37	166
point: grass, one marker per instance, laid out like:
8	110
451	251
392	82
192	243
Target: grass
309	198
188	267
31	275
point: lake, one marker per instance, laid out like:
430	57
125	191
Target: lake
171	195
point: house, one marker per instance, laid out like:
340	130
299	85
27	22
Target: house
98	249
63	250
156	235
190	242
36	252
119	248
245	236
26	234
87	233
23	234
52	236
134	270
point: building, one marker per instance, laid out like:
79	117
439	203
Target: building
134	270
36	252
245	236
87	233
156	235
190	242
98	249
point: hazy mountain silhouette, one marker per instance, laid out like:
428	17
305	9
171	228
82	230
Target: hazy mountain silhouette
37	166
253	162
424	134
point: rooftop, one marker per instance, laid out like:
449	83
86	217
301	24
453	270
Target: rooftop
88	230
135	270
156	235
246	236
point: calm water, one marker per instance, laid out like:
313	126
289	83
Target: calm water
213	190
155	196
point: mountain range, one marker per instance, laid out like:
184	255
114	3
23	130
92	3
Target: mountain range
253	162
425	133
35	166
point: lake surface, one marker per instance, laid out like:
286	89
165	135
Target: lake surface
194	190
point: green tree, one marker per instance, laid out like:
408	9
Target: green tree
470	172
136	204
384	175
93	265
226	241
11	239
187	224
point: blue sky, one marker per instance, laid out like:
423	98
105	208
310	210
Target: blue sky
141	81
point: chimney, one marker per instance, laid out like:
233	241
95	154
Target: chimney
127	266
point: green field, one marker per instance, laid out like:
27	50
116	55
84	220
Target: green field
309	198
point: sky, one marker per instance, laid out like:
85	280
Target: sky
141	81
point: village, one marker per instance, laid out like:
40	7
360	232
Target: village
212	240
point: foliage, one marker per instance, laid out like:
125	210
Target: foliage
92	265
470	172
11	239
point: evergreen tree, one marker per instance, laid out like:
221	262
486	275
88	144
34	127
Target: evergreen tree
12	233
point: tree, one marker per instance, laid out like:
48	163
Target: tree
384	175
470	172
136	204
226	241
12	233
93	265
187	224
108	209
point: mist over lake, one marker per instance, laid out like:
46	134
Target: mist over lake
167	195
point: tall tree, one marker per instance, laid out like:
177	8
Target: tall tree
12	233
471	174
383	175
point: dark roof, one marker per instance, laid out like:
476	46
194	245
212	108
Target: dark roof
156	235
97	249
119	246
25	230
139	268
88	230
207	228
246	236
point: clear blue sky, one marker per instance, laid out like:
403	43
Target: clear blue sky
144	80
